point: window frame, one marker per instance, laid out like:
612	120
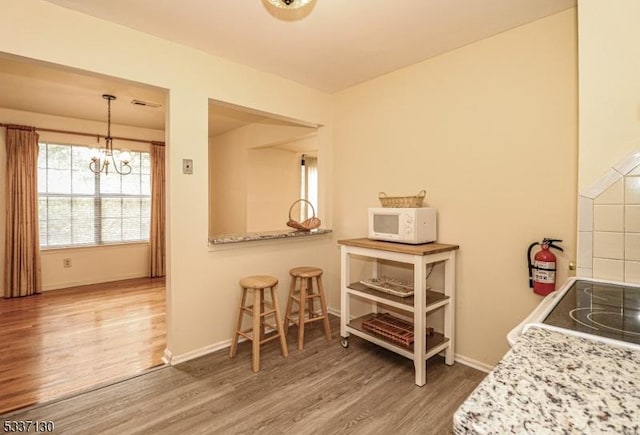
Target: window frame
98	200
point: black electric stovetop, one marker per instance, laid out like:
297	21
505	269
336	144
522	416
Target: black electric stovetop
606	310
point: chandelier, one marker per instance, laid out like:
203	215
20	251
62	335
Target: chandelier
289	4
100	157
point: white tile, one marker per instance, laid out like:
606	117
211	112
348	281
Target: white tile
608	245
585	214
602	184
628	163
613	195
604	268
635	171
585	249
608	218
632	218
632	246
632	272
632	190
582	272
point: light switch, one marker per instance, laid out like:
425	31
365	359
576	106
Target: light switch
187	166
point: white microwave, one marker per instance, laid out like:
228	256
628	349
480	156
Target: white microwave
403	225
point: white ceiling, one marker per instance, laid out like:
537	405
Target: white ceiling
329	45
39	87
42	88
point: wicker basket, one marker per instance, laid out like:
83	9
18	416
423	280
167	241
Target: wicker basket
306	225
402	201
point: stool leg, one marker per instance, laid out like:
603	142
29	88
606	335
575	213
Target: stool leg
234	341
311	299
256	329
323	304
287	314
276	307
301	310
262	316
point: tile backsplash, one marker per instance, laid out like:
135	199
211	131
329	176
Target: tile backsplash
609	224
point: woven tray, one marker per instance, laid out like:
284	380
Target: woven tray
390	285
394	329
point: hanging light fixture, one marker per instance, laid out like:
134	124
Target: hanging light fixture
100	157
289	4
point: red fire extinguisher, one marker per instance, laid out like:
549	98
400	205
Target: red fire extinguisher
542	273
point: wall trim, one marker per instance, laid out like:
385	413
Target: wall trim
177	359
474	364
167	356
76	283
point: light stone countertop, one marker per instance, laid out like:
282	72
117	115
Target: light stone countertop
550	383
264	235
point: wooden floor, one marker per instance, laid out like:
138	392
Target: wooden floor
66	341
323	389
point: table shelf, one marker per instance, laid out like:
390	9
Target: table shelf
435	343
423	301
434	300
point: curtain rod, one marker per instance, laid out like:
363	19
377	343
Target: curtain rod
79	133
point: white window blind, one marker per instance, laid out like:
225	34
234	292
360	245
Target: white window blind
308	185
77	207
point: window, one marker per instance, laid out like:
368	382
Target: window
77	207
308	184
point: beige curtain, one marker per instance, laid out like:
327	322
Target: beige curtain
22	245
158	202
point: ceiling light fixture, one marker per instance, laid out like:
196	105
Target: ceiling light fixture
289	4
100	157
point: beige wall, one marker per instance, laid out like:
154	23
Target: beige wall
490	131
202	285
609	53
273	184
94	265
237	198
228	178
89	264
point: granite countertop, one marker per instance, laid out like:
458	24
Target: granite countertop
265	235
551	382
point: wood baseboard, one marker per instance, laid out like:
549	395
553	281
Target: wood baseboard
77	283
478	365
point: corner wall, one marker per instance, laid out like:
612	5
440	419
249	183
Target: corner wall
490	131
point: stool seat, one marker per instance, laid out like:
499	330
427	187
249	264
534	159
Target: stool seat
304	297
305	272
259	311
258	282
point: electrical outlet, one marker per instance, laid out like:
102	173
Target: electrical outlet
187	166
66	262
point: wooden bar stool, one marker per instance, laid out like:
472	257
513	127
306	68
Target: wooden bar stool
258	313
305	296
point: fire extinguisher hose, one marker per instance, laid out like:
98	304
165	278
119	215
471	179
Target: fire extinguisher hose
529	263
